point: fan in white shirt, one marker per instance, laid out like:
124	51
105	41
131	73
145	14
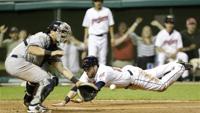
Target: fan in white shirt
168	43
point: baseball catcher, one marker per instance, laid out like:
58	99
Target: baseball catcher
156	79
27	60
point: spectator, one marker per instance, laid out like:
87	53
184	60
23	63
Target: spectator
191	38
22	35
124	52
145	46
9	43
71	54
168	44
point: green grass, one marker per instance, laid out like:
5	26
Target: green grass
2	67
175	92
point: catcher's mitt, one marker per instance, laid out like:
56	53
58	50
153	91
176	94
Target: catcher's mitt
87	91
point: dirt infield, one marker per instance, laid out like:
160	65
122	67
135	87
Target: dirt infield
114	106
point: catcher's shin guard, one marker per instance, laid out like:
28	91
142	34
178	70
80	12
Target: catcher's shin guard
47	89
30	92
46	86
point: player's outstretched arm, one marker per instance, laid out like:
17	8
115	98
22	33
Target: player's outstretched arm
66	72
38	51
72	93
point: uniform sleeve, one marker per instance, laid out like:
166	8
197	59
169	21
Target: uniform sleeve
86	20
38	40
110	18
84	77
158	41
180	42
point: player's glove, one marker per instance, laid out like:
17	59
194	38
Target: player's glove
87	91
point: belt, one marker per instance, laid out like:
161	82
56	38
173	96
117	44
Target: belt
130	72
130	83
25	42
14	56
101	34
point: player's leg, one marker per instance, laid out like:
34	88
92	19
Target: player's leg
32	73
184	57
92	46
146	81
31	88
161	70
103	46
46	85
161	57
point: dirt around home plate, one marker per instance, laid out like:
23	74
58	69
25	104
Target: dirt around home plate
107	106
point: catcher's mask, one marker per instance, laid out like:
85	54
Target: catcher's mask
63	30
89	62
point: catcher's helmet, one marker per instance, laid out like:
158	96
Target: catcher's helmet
54	25
89	62
63	29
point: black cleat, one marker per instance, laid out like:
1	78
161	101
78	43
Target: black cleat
187	66
27	100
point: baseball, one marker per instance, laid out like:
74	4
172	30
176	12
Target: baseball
112	86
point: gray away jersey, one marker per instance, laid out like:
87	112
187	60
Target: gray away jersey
39	39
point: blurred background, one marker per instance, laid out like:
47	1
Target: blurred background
35	15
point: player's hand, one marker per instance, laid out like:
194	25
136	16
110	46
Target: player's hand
60	104
3	29
58	53
78	100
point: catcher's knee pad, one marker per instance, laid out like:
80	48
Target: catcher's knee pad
31	88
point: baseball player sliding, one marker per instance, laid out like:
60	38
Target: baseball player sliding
97	22
26	60
156	79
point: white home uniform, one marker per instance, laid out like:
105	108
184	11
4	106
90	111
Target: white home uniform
170	43
98	23
136	77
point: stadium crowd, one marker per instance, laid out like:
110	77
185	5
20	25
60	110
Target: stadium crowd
143	50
